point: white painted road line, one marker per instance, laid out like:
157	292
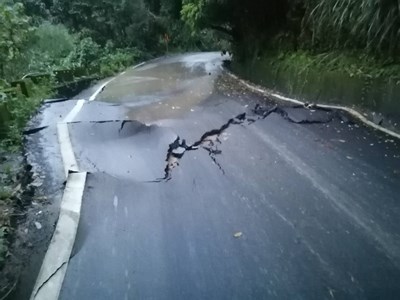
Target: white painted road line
49	282
351	111
72	114
138	65
100	89
67	152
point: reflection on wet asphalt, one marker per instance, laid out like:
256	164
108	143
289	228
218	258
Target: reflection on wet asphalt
182	158
166	89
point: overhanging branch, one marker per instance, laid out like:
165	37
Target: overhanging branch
222	29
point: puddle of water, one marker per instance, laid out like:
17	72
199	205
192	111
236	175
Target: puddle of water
165	88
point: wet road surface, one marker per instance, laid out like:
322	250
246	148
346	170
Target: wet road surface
199	189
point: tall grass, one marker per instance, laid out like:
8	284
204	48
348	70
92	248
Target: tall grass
373	25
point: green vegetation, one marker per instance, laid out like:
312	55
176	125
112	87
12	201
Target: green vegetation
10	193
43	37
364	24
368	29
3	246
19	110
352	64
14	32
339	78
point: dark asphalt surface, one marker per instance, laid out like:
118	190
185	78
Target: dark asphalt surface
199	189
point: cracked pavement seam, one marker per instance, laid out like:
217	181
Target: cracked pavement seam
210	140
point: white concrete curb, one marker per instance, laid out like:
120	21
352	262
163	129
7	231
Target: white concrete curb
54	266
67	152
351	111
49	282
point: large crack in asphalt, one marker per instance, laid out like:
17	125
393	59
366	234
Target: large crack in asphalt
209	141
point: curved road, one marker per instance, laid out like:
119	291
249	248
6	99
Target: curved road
200	189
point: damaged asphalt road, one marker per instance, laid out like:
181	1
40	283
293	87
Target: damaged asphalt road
200	189
210	140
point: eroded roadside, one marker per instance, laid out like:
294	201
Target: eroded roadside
36	181
14	191
23	221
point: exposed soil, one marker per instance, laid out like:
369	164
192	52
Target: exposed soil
19	199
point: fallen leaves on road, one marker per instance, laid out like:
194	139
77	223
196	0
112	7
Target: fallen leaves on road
38	225
238	235
338	140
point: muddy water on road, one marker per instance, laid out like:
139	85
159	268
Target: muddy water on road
165	89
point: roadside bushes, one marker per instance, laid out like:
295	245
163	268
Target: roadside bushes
19	109
373	25
370	26
115	60
28	49
49	47
85	53
14	32
46	50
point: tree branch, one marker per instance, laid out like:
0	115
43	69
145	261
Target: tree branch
222	29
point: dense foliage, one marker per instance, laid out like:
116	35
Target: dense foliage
372	26
50	34
44	35
101	37
365	24
14	31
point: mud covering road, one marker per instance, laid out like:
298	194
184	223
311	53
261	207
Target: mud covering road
199	189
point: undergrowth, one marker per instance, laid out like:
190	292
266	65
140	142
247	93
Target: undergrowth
20	109
352	64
